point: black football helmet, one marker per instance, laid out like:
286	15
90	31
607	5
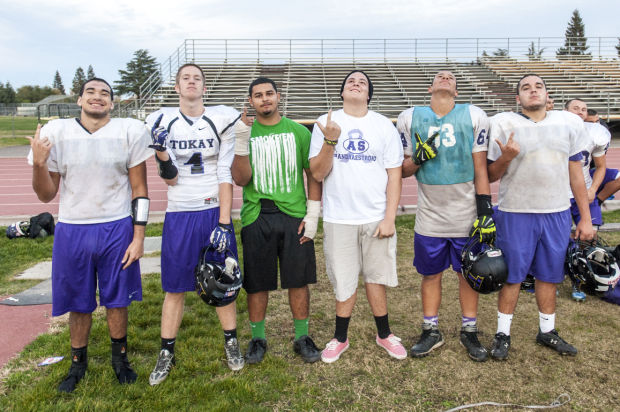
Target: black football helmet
218	277
592	266
483	266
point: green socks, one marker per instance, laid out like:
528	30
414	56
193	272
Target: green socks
258	329
301	327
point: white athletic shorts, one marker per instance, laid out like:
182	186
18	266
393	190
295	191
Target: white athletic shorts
351	249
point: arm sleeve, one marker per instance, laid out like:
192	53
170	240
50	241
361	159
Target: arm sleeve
227	150
480	122
393	152
317	138
403	125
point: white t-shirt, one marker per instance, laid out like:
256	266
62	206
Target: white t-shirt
203	159
536	180
354	192
446	210
596	146
94	184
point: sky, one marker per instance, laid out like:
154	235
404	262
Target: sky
39	37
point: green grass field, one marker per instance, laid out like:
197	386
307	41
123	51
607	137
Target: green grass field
17	127
365	378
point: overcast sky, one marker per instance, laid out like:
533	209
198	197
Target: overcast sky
38	37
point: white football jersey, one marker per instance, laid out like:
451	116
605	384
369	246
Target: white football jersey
536	180
202	151
596	146
94	167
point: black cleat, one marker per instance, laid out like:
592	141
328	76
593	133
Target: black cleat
500	346
429	340
256	350
123	370
554	341
305	347
76	373
469	339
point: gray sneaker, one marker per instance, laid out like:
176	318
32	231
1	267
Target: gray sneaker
165	361
233	355
554	341
431	339
469	339
500	346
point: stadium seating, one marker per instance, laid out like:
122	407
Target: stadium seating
309	88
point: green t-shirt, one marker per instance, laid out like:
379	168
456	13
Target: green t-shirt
278	155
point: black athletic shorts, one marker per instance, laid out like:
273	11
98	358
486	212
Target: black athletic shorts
270	239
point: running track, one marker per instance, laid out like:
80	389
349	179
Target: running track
18	199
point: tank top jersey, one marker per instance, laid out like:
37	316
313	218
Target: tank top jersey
446	192
202	151
94	167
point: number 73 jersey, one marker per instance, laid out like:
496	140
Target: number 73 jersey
462	132
202	149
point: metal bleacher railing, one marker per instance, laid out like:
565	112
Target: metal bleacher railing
401	65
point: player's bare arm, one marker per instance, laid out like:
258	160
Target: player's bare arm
313	209
321	164
241	168
584	230
597	178
44	182
387	227
481	177
135	250
510	150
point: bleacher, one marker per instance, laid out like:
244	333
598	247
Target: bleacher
310	84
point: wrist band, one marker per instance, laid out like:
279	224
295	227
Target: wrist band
330	142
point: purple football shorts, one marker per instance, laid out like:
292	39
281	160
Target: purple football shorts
435	254
184	235
85	256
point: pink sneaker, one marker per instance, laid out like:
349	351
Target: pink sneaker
393	346
333	350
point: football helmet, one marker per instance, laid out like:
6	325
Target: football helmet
483	266
592	266
218	277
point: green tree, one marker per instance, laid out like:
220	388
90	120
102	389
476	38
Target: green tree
500	53
533	53
33	94
138	70
58	83
78	79
90	72
7	93
575	42
618	47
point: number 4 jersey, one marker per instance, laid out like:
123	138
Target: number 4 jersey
202	149
446	193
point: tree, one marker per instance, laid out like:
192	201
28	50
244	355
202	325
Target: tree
33	94
7	94
618	47
575	39
533	53
78	80
500	53
58	83
138	70
90	73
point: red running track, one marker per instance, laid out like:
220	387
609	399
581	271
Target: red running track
17	197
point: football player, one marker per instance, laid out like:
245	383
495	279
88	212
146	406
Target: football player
446	147
357	155
97	242
271	155
537	155
194	150
595	178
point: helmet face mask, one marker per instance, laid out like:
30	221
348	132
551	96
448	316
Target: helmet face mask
218	283
592	267
483	266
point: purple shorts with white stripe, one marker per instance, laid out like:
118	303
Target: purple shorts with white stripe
533	243
435	254
85	256
184	235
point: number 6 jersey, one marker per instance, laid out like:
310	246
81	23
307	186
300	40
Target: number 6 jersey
202	149
446	193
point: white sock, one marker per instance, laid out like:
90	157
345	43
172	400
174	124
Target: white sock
547	322
503	323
